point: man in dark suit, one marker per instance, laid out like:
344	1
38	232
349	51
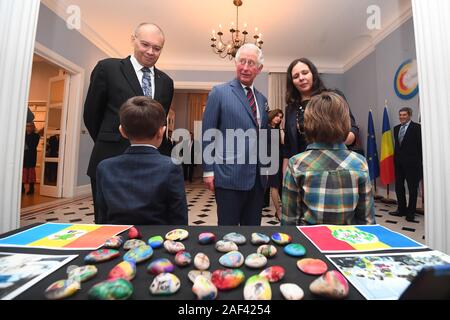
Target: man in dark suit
114	81
408	163
141	186
235	173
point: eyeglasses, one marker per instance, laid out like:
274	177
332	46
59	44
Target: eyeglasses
250	63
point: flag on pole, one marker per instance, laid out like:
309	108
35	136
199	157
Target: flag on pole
387	173
372	150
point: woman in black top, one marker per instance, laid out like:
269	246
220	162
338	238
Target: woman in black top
29	157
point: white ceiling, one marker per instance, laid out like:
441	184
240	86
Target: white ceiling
333	33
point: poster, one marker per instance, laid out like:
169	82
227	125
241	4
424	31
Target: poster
18	272
385	276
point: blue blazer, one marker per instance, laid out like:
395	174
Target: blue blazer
141	187
227	108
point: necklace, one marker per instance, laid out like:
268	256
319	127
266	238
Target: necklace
300	117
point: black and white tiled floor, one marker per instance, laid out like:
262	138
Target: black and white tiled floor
202	212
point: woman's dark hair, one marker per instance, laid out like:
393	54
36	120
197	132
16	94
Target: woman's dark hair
292	94
273	114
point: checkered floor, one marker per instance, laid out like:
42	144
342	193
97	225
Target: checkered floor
202	211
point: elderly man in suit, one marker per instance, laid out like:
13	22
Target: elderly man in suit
114	81
408	163
235	172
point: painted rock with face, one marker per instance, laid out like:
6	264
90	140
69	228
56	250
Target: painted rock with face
227	279
206	238
173	246
177	235
204	289
161	265
312	266
295	250
133	243
113	242
226	246
257	288
124	270
183	258
331	285
201	261
281	238
116	289
237	238
259	238
291	291
83	273
156	242
232	259
273	273
62	289
267	250
255	260
101	255
139	254
165	284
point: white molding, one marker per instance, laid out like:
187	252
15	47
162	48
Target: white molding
189	85
84	190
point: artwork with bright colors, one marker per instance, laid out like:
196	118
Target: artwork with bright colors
406	83
63	236
385	276
332	238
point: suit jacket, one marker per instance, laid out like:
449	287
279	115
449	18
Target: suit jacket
228	108
114	81
141	187
409	153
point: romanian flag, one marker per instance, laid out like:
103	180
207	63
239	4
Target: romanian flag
332	238
387	173
63	236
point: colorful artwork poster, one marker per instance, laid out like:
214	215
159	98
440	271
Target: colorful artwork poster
385	276
18	272
406	83
332	238
63	236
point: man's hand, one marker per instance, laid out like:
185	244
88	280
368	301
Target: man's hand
209	182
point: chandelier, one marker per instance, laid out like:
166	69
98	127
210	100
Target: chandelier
238	38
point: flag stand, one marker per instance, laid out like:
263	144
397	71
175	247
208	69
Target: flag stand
376	196
387	199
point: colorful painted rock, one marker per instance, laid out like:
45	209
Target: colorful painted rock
173	246
161	265
206	238
195	273
267	250
259	238
255	260
201	261
124	270
257	288
226	246
134	233
204	289
139	254
273	274
177	235
232	259
101	255
133	243
312	266
156	242
62	289
235	237
117	289
331	285
83	273
165	284
113	242
281	238
227	279
291	291
295	250
183	258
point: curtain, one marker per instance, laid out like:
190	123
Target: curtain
277	90
196	105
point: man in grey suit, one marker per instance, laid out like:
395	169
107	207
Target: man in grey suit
236	108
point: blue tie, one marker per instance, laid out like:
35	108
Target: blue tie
147	82
401	133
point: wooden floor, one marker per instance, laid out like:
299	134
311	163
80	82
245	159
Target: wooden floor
34	199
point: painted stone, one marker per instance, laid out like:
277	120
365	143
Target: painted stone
161	265
295	250
257	288
134	233
204	289
291	291
255	260
62	289
173	246
281	238
138	254
195	273
83	273
235	237
331	285
183	258
113	242
267	250
273	273
227	279
133	243
116	289
101	255
206	238
124	270
232	259
165	284
226	246
259	238
177	235
312	266
156	242
201	261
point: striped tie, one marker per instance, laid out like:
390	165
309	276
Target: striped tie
401	133
252	102
147	82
